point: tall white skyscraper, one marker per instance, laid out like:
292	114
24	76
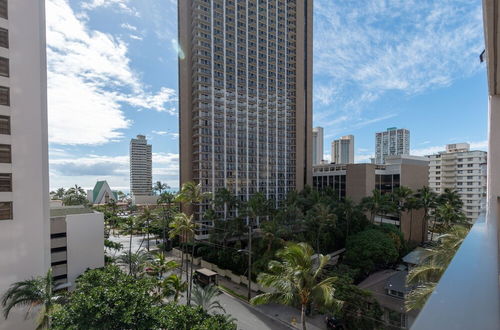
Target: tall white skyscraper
141	179
394	141
317	145
460	169
343	150
24	174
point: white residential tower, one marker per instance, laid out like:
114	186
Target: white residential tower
317	145
343	150
141	179
393	142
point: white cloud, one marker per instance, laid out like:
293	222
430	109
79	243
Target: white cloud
86	170
90	79
120	4
173	135
364	49
135	37
129	27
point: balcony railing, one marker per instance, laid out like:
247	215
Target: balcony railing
467	296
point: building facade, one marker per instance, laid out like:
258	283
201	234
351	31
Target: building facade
357	181
141	161
460	169
245	79
343	150
24	174
101	194
76	243
394	141
317	149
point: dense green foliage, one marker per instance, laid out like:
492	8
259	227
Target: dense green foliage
371	249
110	299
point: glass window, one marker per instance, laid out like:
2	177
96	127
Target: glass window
4	38
5	210
5	182
4	66
3	9
5	153
5	125
4	96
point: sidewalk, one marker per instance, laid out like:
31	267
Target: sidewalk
287	315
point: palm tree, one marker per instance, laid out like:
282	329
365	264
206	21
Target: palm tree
184	227
130	227
192	193
37	292
204	297
160	187
400	197
411	203
447	215
173	286
60	193
160	265
297	279
136	261
322	216
224	198
166	200
427	199
374	204
425	276
347	208
146	217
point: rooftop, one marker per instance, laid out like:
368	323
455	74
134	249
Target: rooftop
68	210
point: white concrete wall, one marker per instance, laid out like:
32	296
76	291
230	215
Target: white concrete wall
24	240
145	200
493	175
85	237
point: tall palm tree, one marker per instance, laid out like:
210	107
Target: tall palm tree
204	297
451	196
400	197
224	198
322	216
36	292
184	227
146	218
136	261
60	193
427	199
447	215
374	204
160	265
173	286
297	279
411	203
160	187
425	276
347	209
192	193
166	201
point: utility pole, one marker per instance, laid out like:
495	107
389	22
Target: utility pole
249	259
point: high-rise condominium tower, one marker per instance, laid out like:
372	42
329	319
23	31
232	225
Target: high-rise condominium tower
24	174
317	145
343	150
392	142
460	169
245	71
141	180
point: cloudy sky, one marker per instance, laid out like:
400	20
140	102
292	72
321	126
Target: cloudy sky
377	64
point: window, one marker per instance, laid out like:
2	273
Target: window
5	125
5	182
3	9
5	153
6	210
4	38
4	96
4	67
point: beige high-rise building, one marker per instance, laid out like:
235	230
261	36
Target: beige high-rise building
245	71
343	150
141	177
317	149
460	169
24	173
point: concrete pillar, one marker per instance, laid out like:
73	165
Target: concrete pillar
493	172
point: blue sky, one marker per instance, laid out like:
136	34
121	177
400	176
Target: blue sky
112	74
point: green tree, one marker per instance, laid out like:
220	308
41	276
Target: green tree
425	277
205	298
166	201
319	218
376	204
146	218
184	227
136	261
173	286
297	279
36	292
59	194
173	316
369	250
428	200
159	187
411	204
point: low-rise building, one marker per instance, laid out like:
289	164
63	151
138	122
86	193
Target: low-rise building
76	242
101	194
461	169
358	181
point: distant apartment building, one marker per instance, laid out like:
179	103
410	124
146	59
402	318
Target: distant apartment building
24	174
76	243
246	96
394	141
357	181
317	145
343	150
141	177
460	169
